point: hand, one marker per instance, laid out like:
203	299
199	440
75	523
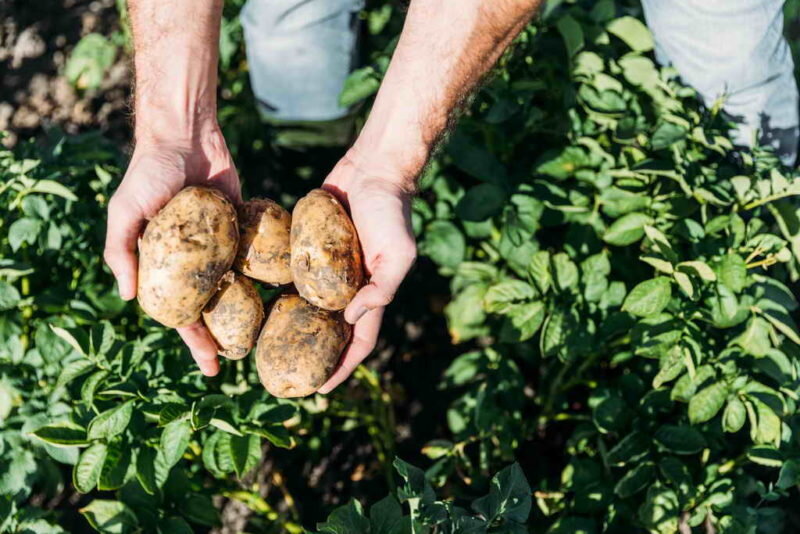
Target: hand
381	210
158	171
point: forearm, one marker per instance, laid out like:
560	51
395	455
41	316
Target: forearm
444	50
175	60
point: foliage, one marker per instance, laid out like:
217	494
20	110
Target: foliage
619	282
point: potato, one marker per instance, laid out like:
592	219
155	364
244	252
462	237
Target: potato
185	250
299	347
326	254
234	316
264	242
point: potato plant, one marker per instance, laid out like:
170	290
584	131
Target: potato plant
619	288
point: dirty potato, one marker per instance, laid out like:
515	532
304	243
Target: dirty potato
264	242
185	250
326	254
234	316
299	347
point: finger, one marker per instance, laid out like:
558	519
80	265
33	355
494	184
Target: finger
365	335
229	184
389	271
125	223
202	347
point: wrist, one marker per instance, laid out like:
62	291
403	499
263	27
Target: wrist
180	105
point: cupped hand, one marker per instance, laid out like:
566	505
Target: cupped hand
156	173
380	206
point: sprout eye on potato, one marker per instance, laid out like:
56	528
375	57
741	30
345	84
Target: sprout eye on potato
264	242
299	347
325	252
184	252
234	316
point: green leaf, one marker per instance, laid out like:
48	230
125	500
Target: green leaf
765	455
565	272
73	370
522	322
627	230
111	422
680	439
789	475
174	525
707	402
572	33
174	440
635	480
732	272
110	517
734	416
386	517
115	468
200	509
90	59
245	452
347	519
509	497
501	297
562	165
481	202
699	269
86	472
671	366
610	414
539	269
784	323
629	449
768	430
648	298
62	434
444	244
632	32
684	282
666	134
755	338
9	296
24	230
360	84
53	188
145	469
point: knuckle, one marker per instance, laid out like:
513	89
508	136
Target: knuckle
384	298
110	256
408	253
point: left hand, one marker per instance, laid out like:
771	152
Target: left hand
380	206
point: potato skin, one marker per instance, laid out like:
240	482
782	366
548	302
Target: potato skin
234	316
185	250
263	251
299	347
326	254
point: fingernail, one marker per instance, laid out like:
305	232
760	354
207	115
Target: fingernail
208	369
358	314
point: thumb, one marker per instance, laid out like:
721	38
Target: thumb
390	269
125	221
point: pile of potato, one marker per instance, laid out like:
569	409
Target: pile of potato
198	258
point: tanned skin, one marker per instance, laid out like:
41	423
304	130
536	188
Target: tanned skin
444	50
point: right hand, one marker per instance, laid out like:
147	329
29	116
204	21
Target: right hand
157	171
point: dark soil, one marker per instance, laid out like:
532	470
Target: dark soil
36	38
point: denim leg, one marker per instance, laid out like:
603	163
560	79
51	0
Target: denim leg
734	48
299	53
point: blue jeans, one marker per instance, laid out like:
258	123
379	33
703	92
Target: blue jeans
736	49
301	51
